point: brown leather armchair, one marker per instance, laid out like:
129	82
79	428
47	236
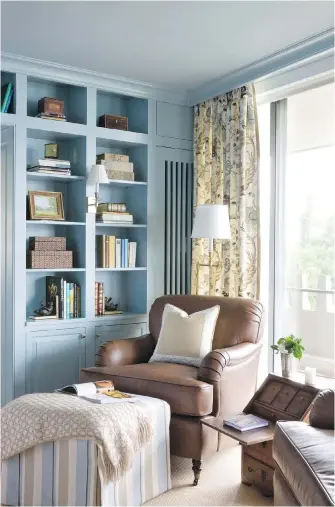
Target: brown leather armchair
222	386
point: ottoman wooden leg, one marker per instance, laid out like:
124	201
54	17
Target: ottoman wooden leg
197	470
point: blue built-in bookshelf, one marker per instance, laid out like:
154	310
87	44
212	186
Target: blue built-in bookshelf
46	354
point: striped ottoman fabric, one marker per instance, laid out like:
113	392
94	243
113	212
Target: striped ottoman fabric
66	472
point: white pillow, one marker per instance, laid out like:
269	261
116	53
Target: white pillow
184	338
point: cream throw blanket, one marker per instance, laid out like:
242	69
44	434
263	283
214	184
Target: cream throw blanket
119	429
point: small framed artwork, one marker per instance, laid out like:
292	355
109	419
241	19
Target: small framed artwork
51	150
45	205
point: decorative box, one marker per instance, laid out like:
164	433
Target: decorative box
45	243
44	260
277	399
48	105
113	122
120	175
117	157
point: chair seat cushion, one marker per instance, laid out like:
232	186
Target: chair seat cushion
177	384
305	458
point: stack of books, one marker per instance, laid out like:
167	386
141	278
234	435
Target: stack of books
117	166
105	216
52	116
51	166
7	92
115	252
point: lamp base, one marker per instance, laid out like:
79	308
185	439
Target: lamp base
92	204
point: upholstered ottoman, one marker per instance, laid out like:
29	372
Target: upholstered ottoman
66	472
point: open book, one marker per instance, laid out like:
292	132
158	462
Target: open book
102	391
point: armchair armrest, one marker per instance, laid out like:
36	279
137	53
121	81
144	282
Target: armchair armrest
322	411
213	365
126	351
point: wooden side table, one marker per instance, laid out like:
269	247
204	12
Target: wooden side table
277	399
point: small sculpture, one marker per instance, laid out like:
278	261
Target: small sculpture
45	310
109	305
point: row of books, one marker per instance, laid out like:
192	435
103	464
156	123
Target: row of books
7	92
51	166
69	296
52	116
115	252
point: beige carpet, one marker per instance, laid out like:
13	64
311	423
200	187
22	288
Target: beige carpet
219	484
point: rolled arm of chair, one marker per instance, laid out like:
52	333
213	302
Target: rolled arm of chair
126	351
322	411
214	363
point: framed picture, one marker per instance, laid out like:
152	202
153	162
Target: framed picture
46	205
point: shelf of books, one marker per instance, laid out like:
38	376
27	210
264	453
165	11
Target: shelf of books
8	88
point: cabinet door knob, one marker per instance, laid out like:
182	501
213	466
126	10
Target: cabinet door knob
82	336
98	335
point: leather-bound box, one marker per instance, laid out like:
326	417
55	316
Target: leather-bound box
120	175
113	122
48	105
46	260
45	243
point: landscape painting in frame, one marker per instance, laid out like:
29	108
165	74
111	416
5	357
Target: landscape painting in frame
46	205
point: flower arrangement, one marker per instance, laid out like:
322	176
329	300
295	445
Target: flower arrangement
289	345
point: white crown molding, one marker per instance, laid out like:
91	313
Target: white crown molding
81	77
297	54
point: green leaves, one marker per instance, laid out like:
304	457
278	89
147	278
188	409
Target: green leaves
289	345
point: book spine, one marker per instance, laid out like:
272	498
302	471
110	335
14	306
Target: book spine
71	290
113	251
103	250
4	102
68	300
126	261
64	302
96	297
107	252
75	301
118	253
100	298
78	302
9	100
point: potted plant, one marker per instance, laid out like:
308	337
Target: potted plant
289	347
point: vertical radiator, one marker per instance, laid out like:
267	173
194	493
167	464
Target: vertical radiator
178	227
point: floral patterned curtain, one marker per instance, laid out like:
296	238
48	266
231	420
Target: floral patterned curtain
226	156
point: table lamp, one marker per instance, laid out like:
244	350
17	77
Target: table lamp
211	221
97	175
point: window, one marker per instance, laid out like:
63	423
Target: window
302	257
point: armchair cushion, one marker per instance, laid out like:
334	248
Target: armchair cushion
183	338
176	384
322	411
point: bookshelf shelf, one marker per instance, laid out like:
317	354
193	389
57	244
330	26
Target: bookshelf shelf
121	183
37	128
54	177
127	226
120	269
55	270
53	222
109	138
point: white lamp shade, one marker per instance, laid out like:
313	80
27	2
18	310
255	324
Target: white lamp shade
97	175
211	221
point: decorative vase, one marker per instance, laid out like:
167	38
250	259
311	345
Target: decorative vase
286	364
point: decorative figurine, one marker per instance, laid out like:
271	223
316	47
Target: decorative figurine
110	306
45	310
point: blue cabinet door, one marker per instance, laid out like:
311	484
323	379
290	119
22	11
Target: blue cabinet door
54	358
106	333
